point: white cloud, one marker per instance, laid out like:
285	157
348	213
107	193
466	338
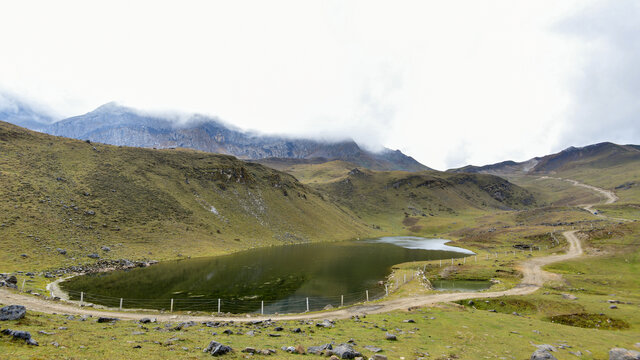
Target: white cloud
446	82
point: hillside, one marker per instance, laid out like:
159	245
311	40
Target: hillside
607	165
80	196
419	202
118	125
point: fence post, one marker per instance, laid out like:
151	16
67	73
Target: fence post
23	281
386	290
440	262
171	310
219	305
81	298
342	300
120	303
367	291
307	304
262	307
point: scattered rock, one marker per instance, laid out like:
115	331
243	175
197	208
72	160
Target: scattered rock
613	307
20	335
328	307
216	349
94	256
300	350
542	355
296	330
345	351
410	321
105	248
390	336
249	350
12	312
61	251
106	319
569	297
623	354
379	357
325	323
319	349
147	320
372	348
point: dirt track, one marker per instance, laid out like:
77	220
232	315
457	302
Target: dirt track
533	278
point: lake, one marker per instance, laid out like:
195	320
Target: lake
282	277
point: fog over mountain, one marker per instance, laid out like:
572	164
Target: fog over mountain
119	125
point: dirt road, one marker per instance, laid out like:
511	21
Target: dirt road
533	278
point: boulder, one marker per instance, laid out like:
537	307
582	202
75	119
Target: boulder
319	349
325	323
12	312
94	256
105	248
21	335
541	354
12	280
216	349
623	354
345	351
106	319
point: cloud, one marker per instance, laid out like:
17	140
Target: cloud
605	91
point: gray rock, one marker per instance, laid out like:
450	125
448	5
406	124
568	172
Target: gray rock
390	336
325	323
106	319
61	251
345	351
105	248
623	354
546	347
12	312
94	256
12	280
319	349
613	307
216	349
372	348
147	320
379	357
21	335
542	355
569	297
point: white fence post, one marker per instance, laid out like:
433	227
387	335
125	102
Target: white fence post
367	291
386	290
342	300
120	303
262	307
171	309
307	304
219	305
81	298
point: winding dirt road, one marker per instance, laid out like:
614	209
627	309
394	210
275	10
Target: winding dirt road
533	278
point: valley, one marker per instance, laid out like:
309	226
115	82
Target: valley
530	234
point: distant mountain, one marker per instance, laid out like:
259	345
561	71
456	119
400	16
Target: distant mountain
19	113
118	125
600	155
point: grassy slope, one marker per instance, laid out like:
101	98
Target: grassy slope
147	203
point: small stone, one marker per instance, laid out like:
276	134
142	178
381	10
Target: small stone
569	297
106	319
613	307
390	336
216	349
379	357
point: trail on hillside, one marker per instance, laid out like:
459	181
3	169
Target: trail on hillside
533	278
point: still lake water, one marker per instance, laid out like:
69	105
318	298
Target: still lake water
283	277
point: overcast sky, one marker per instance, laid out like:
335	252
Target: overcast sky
450	83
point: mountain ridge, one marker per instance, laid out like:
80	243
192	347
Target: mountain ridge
119	125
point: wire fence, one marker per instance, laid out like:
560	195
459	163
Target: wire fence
291	304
